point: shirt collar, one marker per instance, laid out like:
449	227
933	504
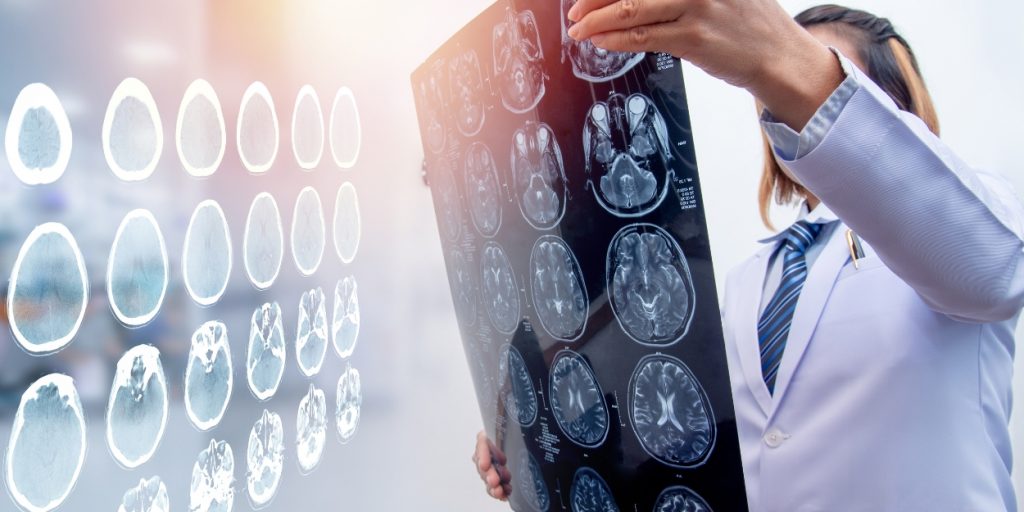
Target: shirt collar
820	215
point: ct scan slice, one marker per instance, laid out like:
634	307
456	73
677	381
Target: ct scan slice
264	458
348	404
559	291
577	401
466	292
209	375
200	132
431	95
530	484
137	409
47	446
307	129
309	232
48	290
517	391
500	289
519	61
311	429
311	334
649	284
590	493
539	175
257	134
468	92
345	130
265	357
345	323
483	189
149	496
133	136
263	244
213	479
446	195
589	62
680	499
348	223
207	257
670	412
38	136
625	140
137	271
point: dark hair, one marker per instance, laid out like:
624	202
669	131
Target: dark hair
891	64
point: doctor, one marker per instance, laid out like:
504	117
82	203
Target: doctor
871	343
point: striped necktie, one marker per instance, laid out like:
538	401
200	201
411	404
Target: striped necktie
773	329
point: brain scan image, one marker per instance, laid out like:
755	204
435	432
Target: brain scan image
539	175
500	289
680	499
311	335
307	129
446	196
483	190
530	484
264	458
577	400
348	404
206	259
200	132
149	496
517	391
265	357
670	412
348	223
137	409
649	281
559	292
430	93
48	290
47	446
133	136
38	136
263	245
309	232
137	269
345	323
590	493
209	376
468	92
311	429
625	140
589	62
346	129
213	479
481	366
257	134
466	293
519	61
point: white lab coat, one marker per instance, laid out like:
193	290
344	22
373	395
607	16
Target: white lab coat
894	388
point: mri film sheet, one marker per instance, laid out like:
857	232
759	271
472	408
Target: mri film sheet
572	225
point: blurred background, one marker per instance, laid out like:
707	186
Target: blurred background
419	415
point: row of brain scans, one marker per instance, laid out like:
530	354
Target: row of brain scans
38	139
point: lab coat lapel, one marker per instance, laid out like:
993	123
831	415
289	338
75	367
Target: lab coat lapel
820	280
746	330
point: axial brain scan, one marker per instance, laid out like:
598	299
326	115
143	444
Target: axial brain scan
133	137
200	131
347	223
38	137
137	409
625	140
590	62
348	404
309	232
519	61
47	446
446	193
483	189
590	493
311	429
681	499
264	458
345	323
263	244
500	289
346	130
577	400
464	284
530	484
207	256
517	391
468	93
650	285
257	133
137	269
48	290
311	334
431	100
149	496
307	129
213	479
670	412
209	376
265	358
559	292
539	175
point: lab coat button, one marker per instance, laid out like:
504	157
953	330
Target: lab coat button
774	438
